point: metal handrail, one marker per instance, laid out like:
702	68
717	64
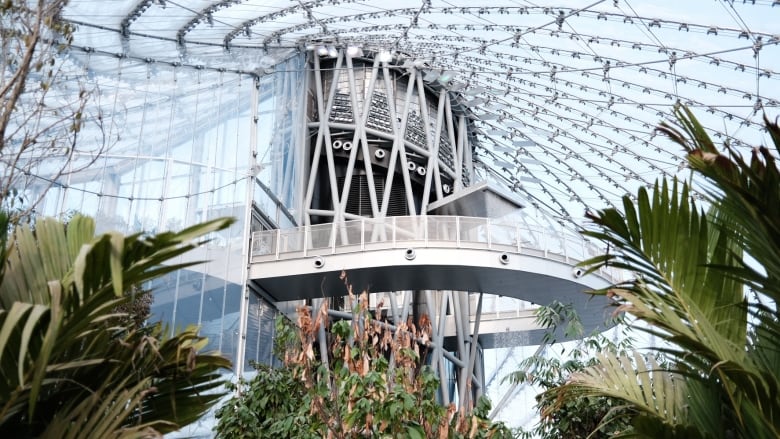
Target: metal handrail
421	231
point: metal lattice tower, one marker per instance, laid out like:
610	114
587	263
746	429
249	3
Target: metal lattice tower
390	181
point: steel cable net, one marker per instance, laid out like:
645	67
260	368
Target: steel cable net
566	95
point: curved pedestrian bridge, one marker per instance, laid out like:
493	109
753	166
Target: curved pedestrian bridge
428	253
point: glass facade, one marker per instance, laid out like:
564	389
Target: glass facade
196	110
184	145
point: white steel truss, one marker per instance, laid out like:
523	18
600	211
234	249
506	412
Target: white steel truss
383	121
408	145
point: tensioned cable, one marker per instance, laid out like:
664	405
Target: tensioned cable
166	173
740	22
58	184
136	168
200	66
592	103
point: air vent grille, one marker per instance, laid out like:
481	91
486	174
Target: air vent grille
359	199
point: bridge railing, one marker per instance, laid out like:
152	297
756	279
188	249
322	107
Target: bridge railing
420	232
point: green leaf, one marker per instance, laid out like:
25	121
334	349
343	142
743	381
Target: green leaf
117	247
415	432
69	369
690	271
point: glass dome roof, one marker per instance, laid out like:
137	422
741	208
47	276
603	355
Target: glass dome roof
566	93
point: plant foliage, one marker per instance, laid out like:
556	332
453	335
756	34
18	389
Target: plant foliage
707	284
552	366
370	383
71	367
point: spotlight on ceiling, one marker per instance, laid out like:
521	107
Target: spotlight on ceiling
326	50
385	56
354	51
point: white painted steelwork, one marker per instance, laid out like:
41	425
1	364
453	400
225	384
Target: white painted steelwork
396	125
423	231
564	96
435	261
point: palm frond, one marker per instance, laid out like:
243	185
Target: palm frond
691	274
636	380
67	369
747	194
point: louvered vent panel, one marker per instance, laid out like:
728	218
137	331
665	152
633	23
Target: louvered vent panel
397	205
359	199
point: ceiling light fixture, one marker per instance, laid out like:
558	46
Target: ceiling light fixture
385	56
354	51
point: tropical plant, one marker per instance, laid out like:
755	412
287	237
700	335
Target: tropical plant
706	284
553	364
71	367
355	392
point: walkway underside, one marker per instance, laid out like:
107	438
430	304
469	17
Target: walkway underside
536	278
